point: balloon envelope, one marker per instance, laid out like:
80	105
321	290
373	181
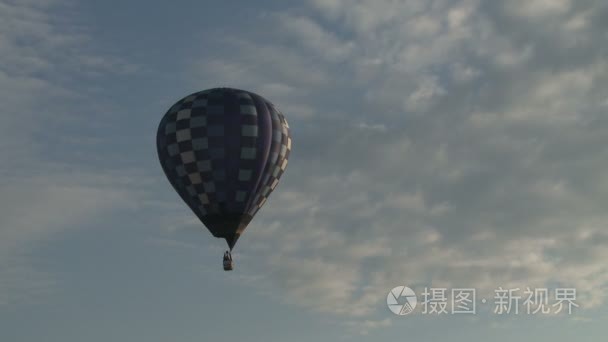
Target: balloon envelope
224	151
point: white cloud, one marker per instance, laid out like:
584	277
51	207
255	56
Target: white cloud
35	209
424	95
498	184
247	68
41	55
310	34
363	327
538	8
372	127
463	73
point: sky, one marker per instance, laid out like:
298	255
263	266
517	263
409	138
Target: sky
436	144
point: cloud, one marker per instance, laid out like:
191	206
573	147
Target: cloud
537	8
499	183
310	34
421	98
36	209
365	326
44	191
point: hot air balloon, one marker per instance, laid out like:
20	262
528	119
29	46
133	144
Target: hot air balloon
224	150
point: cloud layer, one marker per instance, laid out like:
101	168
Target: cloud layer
435	143
444	143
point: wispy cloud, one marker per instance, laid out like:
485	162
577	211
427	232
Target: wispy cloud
444	143
42	191
492	186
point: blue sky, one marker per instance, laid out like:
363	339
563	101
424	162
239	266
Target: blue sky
435	143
